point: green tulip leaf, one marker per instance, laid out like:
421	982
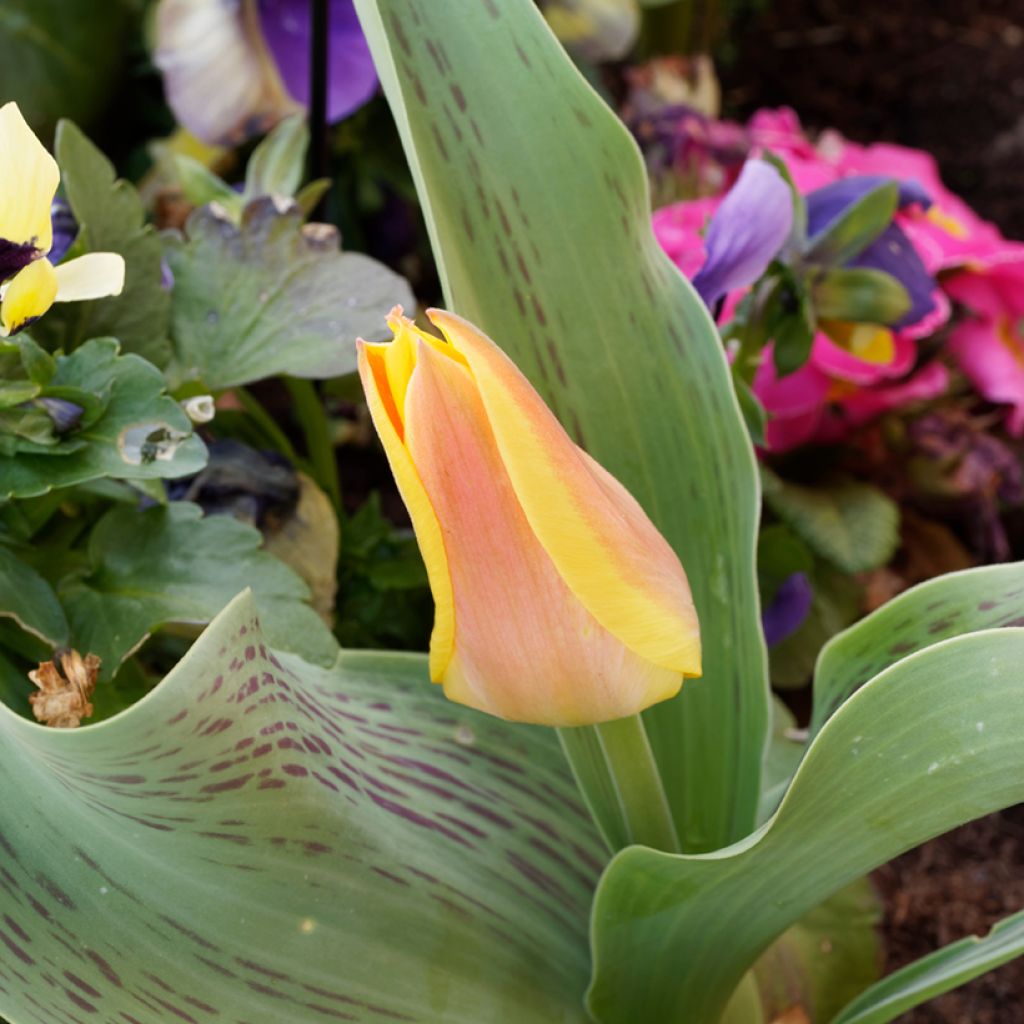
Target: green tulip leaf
272	296
140	434
111	219
537	203
931	742
947	606
261	840
170	564
939	972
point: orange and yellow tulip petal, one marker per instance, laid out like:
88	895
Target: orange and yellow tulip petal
387	418
598	537
28	183
27	296
525	647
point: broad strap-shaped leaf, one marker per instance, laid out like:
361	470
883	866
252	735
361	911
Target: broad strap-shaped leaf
944	607
111	218
539	213
259	840
932	742
272	296
142	434
172	564
939	972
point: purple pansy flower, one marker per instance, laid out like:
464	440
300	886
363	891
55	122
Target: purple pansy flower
891	252
234	68
746	232
790	607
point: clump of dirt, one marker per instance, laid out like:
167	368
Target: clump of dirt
946	76
957	885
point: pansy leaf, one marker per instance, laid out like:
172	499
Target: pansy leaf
928	744
271	296
30	601
851	524
142	433
111	219
277	164
170	564
61	59
263	841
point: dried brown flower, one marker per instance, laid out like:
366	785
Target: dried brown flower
63	700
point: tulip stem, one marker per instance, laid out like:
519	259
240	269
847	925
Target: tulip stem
645	809
312	417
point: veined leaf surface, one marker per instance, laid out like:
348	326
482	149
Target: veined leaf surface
260	841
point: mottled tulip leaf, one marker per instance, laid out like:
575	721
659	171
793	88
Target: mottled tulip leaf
111	219
271	296
61	59
142	433
537	203
170	564
852	524
939	972
262	841
29	600
931	742
944	607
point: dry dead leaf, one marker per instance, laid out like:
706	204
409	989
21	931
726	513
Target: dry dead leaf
63	700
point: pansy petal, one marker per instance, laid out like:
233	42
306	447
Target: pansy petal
351	77
92	276
373	372
747	231
526	648
28	182
894	254
599	538
28	295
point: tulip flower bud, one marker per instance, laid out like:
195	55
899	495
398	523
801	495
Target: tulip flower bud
557	600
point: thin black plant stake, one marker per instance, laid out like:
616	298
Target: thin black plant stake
319	58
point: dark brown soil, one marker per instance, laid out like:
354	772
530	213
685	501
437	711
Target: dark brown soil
959	884
943	75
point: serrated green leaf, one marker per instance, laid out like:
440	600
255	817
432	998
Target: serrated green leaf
29	600
539	215
313	845
141	434
855	228
931	742
951	605
272	296
853	525
941	971
111	219
170	564
860	295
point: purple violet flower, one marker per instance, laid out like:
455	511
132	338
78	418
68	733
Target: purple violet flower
746	233
787	612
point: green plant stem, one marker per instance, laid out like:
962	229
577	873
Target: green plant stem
645	808
315	427
266	423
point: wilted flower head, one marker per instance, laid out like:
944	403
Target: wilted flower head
234	68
